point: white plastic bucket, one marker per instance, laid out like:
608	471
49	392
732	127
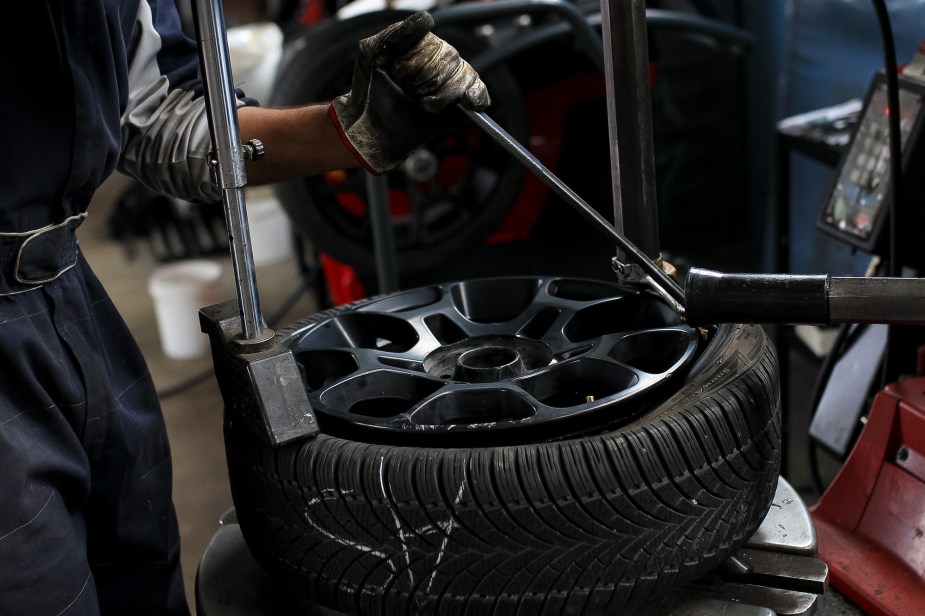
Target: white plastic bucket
270	228
179	290
255	50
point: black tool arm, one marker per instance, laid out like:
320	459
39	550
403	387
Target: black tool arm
714	297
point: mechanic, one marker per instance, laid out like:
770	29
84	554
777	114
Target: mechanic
87	524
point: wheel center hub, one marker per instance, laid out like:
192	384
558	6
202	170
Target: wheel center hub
489	364
487	359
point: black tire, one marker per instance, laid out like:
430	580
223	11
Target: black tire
582	525
472	182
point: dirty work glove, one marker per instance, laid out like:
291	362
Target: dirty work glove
404	79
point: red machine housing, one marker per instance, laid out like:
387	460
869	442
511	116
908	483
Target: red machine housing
870	522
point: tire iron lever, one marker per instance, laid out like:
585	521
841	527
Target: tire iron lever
655	277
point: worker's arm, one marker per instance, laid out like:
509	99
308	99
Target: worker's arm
405	78
298	142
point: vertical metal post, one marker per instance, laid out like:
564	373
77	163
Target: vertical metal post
629	116
377	199
228	158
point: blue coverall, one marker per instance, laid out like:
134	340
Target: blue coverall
87	524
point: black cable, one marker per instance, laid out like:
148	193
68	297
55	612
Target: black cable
892	90
845	337
189	383
894	268
308	279
842	341
814	472
825	372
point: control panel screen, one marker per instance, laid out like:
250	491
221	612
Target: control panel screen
860	196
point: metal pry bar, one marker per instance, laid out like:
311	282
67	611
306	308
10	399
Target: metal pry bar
228	160
658	276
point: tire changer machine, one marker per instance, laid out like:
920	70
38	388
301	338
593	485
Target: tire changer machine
866	535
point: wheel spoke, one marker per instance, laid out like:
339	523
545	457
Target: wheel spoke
381	398
564	387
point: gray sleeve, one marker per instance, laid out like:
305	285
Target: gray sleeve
165	132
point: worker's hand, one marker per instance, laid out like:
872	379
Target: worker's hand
404	78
